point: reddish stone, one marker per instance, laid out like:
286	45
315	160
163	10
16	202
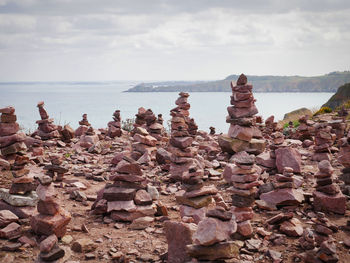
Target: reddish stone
13	148
48	207
127	178
181	142
196	214
240	132
242	213
13	230
288	157
11	139
7	217
265	160
242	80
284	196
21	212
206	190
48	243
125	167
8	110
329	203
128	206
241	112
148	139
46	193
119	194
245	228
292	228
142	197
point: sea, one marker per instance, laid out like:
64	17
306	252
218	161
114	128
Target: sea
66	102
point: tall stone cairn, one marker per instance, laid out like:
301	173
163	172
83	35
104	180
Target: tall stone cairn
183	154
114	127
46	128
324	140
327	197
344	159
243	134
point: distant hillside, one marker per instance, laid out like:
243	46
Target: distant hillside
341	96
325	83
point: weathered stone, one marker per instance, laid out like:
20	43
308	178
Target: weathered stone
245	229
7	129
83	245
292	228
125	167
11	231
223	250
141	223
196	202
48	243
196	214
329	203
284	196
142	197
128	206
29	199
48	207
14	148
206	190
119	194
7	217
288	157
53	255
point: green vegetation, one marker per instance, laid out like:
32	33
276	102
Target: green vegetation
128	125
296	124
323	110
67	155
325	83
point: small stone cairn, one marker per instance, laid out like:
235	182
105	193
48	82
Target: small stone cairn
126	199
114	127
243	135
46	129
344	159
324	140
56	170
328	197
84	126
306	129
244	177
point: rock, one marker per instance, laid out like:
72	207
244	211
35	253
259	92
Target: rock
292	228
7	217
224	250
178	236
21	212
8	110
245	229
48	243
55	254
14	148
141	223
284	196
11	231
67	239
288	157
219	213
205	190
128	206
211	231
48	208
279	218
196	202
142	197
153	192
265	160
83	245
329	203
242	80
119	194
197	214
125	167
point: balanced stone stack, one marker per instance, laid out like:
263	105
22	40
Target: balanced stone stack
306	128
270	126
114	127
286	191
212	130
344	159
49	250
46	129
195	197
192	127
243	135
324	140
160	119
244	177
212	237
181	141
51	218
88	138
144	146
55	170
84	126
338	127
327	196
126	199
11	140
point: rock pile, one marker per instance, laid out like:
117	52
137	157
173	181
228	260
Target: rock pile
84	126
144	146
306	128
56	170
49	249
212	130
324	140
51	218
126	199
9	227
327	196
344	159
270	126
181	141
243	135
12	146
212	237
114	127
89	138
287	224
147	120
244	177
46	129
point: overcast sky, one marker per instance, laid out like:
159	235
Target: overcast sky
57	40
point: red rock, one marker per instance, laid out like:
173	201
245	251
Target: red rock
288	157
239	96
142	197
125	167
128	206
242	80
163	156
119	194
47	224
242	213
279	218
284	196
206	190
196	214
178	236
212	230
7	129
48	207
329	203
245	228
13	230
21	212
8	118
7	217
46	193
8	110
265	160
181	142
292	228
131	178
13	148
241	112
148	139
48	243
27	241
240	132
11	139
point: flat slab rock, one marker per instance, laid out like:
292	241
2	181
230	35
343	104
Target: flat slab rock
329	203
223	250
284	196
29	199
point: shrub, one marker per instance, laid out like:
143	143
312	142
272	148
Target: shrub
296	123
323	110
128	124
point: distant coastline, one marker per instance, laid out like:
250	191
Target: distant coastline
325	83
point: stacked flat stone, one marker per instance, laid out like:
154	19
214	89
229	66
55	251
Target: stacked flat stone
144	146
46	129
338	127
56	170
324	140
12	146
114	127
270	126
328	197
160	119
306	128
84	125
212	130
49	250
243	135
52	219
126	199
243	175
183	154
195	197
344	159
88	138
211	241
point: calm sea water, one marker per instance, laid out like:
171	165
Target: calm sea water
66	102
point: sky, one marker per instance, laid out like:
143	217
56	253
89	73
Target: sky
98	40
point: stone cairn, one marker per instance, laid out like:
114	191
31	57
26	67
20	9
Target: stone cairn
212	130
181	141
147	120
144	146
344	159
160	119
51	221
46	129
327	196
267	159
114	127
338	127
126	199
243	135
56	170
324	140
306	128
11	140
243	175
270	126
84	126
